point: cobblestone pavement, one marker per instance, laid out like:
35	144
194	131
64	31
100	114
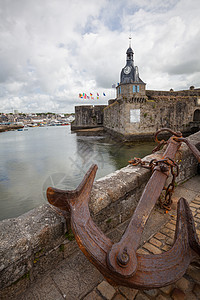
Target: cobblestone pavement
188	287
78	279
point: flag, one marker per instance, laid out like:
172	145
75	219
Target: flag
97	97
80	96
98	94
84	95
88	97
104	94
92	98
113	86
90	94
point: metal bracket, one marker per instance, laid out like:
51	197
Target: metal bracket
119	262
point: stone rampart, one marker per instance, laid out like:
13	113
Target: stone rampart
36	241
135	117
88	116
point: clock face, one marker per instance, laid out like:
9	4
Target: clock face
127	70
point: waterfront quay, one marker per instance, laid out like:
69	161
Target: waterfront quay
12	121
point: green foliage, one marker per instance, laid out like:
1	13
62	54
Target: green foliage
109	221
145	114
61	248
69	235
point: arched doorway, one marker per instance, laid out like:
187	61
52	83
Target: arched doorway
196	116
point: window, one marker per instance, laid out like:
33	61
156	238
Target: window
138	88
134	89
134	115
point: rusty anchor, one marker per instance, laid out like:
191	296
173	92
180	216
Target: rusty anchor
119	262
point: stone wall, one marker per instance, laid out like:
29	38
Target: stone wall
88	116
159	109
36	241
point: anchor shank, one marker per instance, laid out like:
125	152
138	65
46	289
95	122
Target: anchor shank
117	257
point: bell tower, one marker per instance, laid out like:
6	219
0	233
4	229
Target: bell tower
130	83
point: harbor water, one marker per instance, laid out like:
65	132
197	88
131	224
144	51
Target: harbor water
34	159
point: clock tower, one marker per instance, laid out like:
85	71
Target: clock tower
130	82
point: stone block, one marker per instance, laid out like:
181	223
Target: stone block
128	293
152	248
194	272
142	251
184	284
161	297
106	290
178	294
155	242
160	236
170	226
119	297
196	290
92	296
168	232
152	292
167	289
166	247
141	296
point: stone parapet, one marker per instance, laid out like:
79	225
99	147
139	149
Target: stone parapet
39	239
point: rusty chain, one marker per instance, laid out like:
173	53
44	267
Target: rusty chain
163	165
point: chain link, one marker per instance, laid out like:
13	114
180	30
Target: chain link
164	166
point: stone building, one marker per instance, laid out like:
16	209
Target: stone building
137	113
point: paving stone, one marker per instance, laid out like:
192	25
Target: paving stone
173	222
119	297
93	296
106	290
152	248
155	242
166	247
194	272
193	209
197	220
142	251
196	290
167	289
76	276
190	296
194	205
141	296
129	293
178	294
170	226
168	232
161	297
160	236
43	289
169	241
184	284
152	292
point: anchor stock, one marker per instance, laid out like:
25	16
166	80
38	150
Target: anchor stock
119	262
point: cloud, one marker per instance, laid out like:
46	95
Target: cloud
51	51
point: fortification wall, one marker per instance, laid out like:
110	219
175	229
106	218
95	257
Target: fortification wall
36	241
142	116
88	116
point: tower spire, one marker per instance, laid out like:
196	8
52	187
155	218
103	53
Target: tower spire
130	40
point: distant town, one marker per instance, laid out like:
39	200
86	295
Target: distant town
16	120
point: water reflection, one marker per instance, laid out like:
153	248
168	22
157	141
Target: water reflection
32	160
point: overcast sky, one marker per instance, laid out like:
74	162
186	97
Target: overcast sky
52	50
